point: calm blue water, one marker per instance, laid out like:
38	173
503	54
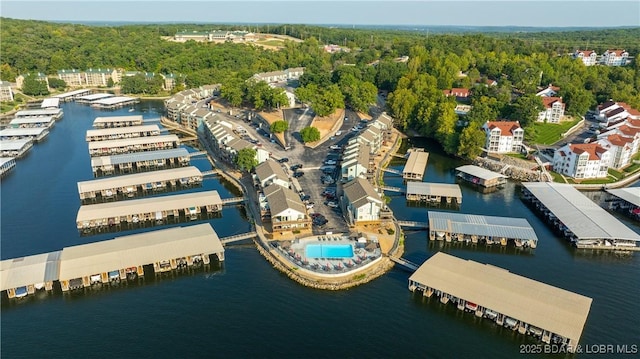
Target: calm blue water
245	308
329	251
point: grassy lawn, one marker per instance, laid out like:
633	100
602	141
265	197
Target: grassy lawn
517	155
556	177
616	174
270	42
549	133
598	181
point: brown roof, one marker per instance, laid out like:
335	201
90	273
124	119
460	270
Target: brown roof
606	105
549	101
618	140
456	91
614	112
585	52
593	149
629	131
617	52
506	127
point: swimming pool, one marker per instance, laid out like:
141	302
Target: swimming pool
329	251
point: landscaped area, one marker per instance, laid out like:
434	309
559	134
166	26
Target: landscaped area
549	133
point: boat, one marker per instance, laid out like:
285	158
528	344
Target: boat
518	242
535	331
490	314
510	322
131	109
21	292
471	306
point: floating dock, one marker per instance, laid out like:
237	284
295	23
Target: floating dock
579	219
36	134
472	228
480	176
72	95
416	165
52	102
433	192
130	145
87	99
156	209
128	186
111	103
6	165
33	122
119	259
56	113
551	314
625	200
23	276
139	161
117	121
15	148
118	133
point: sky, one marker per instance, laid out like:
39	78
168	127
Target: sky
541	13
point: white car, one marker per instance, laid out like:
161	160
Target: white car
338	133
330	162
332	204
335	147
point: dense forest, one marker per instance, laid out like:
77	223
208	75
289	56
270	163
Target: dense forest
519	62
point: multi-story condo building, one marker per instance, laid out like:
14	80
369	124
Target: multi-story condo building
553	110
614	58
503	136
588	57
582	161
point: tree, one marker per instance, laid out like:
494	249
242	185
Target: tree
526	109
233	91
34	87
279	126
56	83
309	134
246	159
471	142
402	103
323	101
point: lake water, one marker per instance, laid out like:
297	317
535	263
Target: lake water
245	308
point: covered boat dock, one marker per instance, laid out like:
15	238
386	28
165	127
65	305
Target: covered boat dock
36	133
416	165
56	113
118	133
480	176
87	99
472	228
433	192
72	95
148	210
117	121
112	103
579	219
139	161
6	165
129	145
124	257
551	314
625	200
51	102
15	148
128	186
33	122
23	276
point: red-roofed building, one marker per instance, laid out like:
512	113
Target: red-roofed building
620	149
588	57
553	110
614	58
459	93
549	91
503	136
581	161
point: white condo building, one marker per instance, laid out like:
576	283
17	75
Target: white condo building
503	136
582	161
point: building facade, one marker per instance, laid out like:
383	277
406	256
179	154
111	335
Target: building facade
553	111
6	92
503	136
614	58
582	161
361	202
588	57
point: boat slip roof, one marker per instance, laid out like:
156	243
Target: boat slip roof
583	217
138	249
113	100
122	130
434	189
479	172
139	157
147	205
4	160
109	119
39	112
27	131
95	145
137	179
38	119
95	96
416	163
50	102
36	269
539	304
517	228
71	93
630	194
14	145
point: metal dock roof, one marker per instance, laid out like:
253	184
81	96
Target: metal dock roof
582	216
480	172
108	119
137	179
36	119
27	131
122	130
71	93
416	163
517	228
138	249
50	102
113	100
4	160
95	96
139	156
39	112
147	205
434	189
539	304
95	145
14	145
630	194
36	269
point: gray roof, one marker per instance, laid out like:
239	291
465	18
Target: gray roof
122	130
14	145
269	168
133	118
114	100
147	205
539	304
434	189
95	96
360	192
138	249
28	131
95	145
138	179
281	199
516	228
630	194
139	157
36	269
39	112
582	216
31	120
238	144
416	163
4	160
480	172
71	93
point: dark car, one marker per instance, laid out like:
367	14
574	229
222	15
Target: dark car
306	197
296	167
298	174
283	160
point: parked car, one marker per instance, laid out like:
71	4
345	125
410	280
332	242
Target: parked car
296	167
332	204
305	197
298	174
338	133
310	205
283	160
335	147
330	162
